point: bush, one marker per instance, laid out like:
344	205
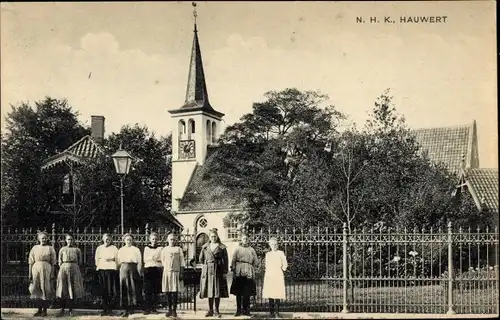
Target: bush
469	279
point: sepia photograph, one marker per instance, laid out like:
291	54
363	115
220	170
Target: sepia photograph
249	160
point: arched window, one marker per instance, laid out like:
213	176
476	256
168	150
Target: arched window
182	127
201	239
214	132
191	126
209	131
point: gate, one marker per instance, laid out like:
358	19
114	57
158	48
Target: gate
16	245
376	270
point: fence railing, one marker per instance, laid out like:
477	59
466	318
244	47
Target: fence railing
391	270
330	270
16	245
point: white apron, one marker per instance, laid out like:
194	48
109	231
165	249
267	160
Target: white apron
274	279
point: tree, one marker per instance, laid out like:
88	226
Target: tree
30	196
395	184
32	133
258	155
147	187
302	175
97	194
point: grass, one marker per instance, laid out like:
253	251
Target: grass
327	296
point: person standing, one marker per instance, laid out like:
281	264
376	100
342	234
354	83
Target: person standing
213	282
42	259
152	273
69	278
130	262
243	265
274	280
173	262
106	267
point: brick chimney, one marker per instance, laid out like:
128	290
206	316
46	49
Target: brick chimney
97	128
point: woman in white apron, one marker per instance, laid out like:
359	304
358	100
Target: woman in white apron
274	279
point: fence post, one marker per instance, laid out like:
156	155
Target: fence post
53	235
450	271
345	308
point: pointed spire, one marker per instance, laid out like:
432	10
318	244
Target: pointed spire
196	91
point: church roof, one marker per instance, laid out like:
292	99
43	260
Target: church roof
483	185
202	194
85	148
450	145
196	91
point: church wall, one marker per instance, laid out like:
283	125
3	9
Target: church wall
181	174
192	225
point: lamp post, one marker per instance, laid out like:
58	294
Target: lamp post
122	160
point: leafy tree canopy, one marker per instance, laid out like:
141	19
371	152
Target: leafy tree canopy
32	197
297	170
32	133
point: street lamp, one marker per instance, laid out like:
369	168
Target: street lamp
122	160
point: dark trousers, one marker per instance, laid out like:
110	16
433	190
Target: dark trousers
242	304
151	301
211	304
67	303
172	301
42	305
108	284
152	286
274	306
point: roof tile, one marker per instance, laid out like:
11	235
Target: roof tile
445	145
84	148
485	185
203	194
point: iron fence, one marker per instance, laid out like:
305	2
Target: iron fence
386	271
16	245
330	270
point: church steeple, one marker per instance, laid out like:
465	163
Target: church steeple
196	91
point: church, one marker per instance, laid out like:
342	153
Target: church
196	203
200	205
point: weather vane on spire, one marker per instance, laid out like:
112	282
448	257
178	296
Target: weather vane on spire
194	12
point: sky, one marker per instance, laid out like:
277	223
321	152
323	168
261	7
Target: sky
129	61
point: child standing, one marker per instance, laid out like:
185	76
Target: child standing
243	265
130	261
173	262
274	280
108	279
41	260
152	273
69	279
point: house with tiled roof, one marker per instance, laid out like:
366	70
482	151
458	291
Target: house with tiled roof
457	149
197	203
449	145
88	147
482	184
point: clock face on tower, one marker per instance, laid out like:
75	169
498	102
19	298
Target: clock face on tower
186	149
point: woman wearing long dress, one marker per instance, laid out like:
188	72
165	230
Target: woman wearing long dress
213	283
41	260
243	264
173	262
130	262
69	278
107	273
152	273
274	280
